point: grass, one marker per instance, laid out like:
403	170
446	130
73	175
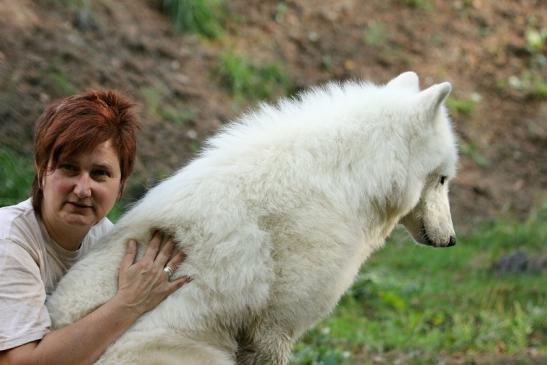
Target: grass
376	34
16	174
472	151
419	4
426	303
418	302
529	84
247	81
464	107
203	17
60	82
157	106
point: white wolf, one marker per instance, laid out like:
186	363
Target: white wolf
276	217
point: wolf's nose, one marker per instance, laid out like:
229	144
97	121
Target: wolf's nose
452	241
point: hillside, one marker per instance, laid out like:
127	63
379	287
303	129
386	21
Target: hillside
494	53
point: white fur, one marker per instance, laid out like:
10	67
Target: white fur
276	217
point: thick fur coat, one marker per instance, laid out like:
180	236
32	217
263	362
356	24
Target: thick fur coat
276	216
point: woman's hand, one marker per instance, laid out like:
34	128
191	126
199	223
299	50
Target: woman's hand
143	284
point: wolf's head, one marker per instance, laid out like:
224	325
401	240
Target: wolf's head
433	157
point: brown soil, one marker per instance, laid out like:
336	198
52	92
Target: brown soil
48	50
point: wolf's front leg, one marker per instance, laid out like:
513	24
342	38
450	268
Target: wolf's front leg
263	343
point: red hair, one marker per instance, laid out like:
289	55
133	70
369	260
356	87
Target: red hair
77	124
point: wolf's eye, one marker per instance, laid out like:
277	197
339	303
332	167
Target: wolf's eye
443	180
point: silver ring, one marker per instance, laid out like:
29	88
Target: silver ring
169	271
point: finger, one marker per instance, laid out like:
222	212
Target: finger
130	254
165	253
153	247
176	260
177	283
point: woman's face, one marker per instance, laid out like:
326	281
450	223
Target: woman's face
81	190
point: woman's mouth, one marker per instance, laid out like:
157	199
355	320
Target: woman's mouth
80	205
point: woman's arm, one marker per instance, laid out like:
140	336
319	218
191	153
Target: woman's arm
142	286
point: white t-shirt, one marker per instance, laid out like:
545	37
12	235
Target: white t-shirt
31	265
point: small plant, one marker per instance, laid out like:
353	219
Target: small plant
376	34
204	17
176	116
152	99
280	11
157	106
16	174
471	151
535	40
61	83
529	84
75	4
418	4
249	82
464	107
535	36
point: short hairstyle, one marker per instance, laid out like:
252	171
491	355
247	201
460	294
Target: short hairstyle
79	123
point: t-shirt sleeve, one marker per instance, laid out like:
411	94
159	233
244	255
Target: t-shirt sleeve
23	313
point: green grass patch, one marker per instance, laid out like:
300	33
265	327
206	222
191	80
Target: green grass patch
205	17
16	174
528	83
464	107
433	302
157	106
376	34
247	81
61	83
418	4
472	151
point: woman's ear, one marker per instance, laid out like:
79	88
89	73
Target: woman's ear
39	176
121	189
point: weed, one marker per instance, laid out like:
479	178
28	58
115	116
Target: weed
280	11
535	36
153	99
418	4
471	151
157	106
529	84
375	34
204	17
173	115
464	107
61	83
249	82
194	146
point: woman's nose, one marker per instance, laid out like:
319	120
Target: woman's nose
82	188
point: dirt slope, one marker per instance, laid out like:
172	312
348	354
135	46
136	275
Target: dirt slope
485	48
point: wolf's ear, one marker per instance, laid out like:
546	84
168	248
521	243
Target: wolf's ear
431	98
408	80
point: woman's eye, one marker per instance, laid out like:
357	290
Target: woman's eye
69	168
101	173
443	180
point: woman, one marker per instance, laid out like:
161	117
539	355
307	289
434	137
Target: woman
84	151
